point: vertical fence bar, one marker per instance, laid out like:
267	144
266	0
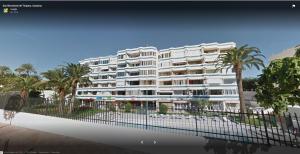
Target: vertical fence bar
266	129
298	129
282	129
241	125
278	135
147	115
271	125
293	133
220	131
256	134
227	121
195	114
244	120
291	142
249	121
260	125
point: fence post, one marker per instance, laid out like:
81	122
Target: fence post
146	114
266	129
298	129
195	114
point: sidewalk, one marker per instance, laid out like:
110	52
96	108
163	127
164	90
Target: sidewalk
18	139
135	139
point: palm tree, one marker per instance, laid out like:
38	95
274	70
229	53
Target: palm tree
58	80
75	73
238	59
25	85
25	69
4	70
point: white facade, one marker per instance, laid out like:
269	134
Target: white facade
173	76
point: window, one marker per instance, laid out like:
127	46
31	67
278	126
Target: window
179	64
148	53
180	73
165	55
134	83
181	92
121	65
179	82
79	92
121	93
196	81
134	74
211	71
165	93
103	61
216	92
196	62
94	92
104	77
166	83
121	56
196	72
165	64
121	74
94	77
104	85
148	63
211	51
164	73
147	72
230	92
148	92
229	81
96	63
199	92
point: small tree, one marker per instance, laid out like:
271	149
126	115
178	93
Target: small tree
163	109
111	107
249	84
201	103
128	107
279	84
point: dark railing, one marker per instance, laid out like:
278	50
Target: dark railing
258	128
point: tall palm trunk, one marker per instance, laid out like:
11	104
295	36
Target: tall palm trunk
24	96
62	101
71	106
239	79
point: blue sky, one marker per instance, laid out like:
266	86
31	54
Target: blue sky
55	40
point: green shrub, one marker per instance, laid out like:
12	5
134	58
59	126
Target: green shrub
111	107
163	109
128	107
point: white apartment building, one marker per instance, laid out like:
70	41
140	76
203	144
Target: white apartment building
173	76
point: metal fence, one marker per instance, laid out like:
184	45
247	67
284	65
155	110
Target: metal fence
258	128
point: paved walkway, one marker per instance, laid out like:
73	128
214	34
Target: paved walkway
131	138
18	139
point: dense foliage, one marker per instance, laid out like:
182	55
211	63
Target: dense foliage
28	83
128	107
163	109
279	84
201	104
249	84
